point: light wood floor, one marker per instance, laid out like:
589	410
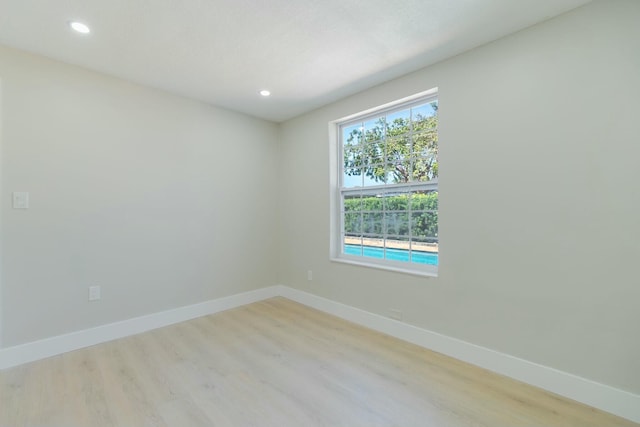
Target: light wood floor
273	363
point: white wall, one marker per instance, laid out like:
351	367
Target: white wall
1	161
539	201
160	200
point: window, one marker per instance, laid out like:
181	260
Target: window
388	186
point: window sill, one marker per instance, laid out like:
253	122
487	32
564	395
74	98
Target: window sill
414	272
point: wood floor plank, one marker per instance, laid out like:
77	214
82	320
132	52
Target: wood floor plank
273	363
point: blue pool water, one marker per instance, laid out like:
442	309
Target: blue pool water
393	254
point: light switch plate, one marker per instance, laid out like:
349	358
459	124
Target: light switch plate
20	200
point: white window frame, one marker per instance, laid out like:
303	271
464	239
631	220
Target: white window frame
338	191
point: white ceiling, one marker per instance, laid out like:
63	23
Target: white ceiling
307	52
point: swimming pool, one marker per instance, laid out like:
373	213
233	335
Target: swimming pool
392	254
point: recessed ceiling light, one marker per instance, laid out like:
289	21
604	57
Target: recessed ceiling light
80	27
265	93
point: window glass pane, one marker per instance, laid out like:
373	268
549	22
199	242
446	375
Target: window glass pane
424	224
352	134
352	178
352	203
398	243
368	181
425	144
424	251
398	123
398	172
396	223
396	201
372	222
353	224
374	240
397	250
373	246
398	149
374	129
427	125
424	201
351	152
352	164
375	175
373	252
424	111
352	245
424	169
372	154
372	203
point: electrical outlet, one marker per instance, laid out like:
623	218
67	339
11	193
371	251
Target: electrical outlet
94	293
395	314
309	275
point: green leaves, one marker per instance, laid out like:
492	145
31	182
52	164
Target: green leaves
395	215
398	148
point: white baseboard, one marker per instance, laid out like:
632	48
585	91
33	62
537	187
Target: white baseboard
36	350
606	398
603	397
